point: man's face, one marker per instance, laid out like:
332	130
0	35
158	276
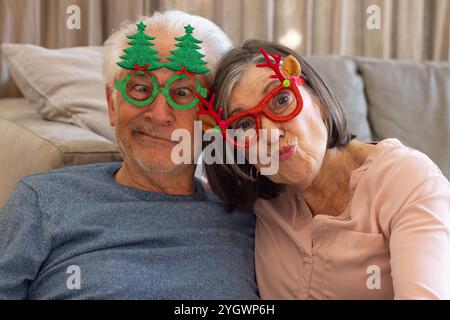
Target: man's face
143	133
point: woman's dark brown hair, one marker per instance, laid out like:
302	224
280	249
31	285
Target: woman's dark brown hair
238	185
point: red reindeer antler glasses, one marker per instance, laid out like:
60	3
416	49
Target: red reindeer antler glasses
282	104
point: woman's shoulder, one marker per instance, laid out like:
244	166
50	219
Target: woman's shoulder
402	184
393	160
397	175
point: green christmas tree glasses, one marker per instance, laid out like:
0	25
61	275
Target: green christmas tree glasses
140	87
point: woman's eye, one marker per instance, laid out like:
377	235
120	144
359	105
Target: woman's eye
281	100
244	124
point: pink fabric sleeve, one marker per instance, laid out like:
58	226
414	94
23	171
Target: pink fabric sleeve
420	241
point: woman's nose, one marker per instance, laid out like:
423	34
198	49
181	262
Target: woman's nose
271	132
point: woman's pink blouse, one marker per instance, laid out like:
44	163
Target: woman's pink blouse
392	240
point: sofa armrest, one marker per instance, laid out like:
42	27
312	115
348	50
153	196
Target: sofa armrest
31	145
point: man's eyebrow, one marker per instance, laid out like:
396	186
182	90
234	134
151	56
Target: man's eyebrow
269	85
182	78
142	76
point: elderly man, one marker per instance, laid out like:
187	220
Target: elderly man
144	228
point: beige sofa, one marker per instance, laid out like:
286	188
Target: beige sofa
406	100
30	144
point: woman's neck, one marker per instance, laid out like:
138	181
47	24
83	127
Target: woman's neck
329	192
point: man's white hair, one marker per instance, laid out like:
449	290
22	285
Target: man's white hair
215	41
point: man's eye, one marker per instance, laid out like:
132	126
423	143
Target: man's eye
139	92
141	88
183	92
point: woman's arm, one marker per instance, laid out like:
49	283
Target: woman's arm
420	242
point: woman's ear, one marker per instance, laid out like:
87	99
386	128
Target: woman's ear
207	122
291	67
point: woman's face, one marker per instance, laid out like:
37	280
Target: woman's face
302	140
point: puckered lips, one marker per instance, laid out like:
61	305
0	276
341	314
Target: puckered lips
287	152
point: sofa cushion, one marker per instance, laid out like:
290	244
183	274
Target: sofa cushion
31	144
411	101
64	85
341	76
75	145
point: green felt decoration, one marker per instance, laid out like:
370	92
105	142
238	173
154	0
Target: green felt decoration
187	54
140	52
141	58
121	85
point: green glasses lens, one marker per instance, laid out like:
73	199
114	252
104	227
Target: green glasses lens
180	90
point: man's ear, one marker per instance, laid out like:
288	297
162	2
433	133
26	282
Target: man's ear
291	67
111	108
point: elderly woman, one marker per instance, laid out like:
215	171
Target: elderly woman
341	219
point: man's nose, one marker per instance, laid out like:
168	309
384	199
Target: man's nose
159	112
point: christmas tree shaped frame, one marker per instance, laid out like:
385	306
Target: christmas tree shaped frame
187	56
140	55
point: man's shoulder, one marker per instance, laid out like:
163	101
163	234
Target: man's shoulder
68	175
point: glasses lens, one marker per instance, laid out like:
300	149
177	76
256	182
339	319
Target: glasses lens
182	91
283	103
140	87
242	132
243	124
